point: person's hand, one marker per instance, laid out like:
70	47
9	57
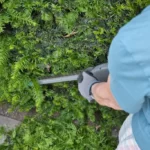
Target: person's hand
85	82
102	94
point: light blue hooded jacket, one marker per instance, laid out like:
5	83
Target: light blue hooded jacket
129	67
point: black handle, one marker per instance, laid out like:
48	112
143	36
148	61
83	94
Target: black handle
101	72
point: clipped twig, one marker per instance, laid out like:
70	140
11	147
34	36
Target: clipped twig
70	34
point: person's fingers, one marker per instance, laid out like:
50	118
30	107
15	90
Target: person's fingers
102	94
102	102
113	105
108	80
107	102
99	97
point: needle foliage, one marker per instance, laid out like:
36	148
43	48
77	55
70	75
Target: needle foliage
57	37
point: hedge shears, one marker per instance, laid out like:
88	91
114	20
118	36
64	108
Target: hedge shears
100	72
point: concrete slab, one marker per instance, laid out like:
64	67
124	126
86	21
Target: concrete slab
15	114
8	124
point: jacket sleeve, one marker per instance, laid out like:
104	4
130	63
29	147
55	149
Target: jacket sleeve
128	82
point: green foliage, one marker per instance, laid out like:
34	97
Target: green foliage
43	133
66	35
58	37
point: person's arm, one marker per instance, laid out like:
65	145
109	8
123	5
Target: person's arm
103	95
128	64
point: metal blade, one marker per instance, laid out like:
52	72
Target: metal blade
58	79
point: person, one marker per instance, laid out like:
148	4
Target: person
128	85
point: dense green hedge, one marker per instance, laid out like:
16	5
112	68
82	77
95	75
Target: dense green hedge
57	37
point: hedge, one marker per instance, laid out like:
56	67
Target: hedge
58	37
